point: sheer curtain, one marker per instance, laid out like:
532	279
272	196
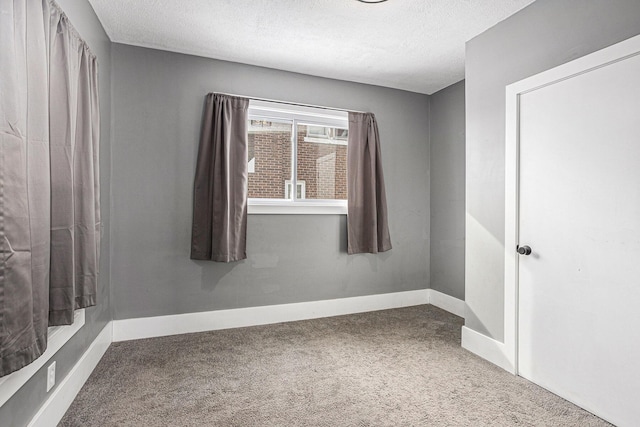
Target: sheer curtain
219	229
367	220
30	166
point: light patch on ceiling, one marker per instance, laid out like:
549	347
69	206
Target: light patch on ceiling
414	45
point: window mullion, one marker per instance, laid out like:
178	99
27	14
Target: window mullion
294	160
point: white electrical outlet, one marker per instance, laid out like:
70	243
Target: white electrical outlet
51	376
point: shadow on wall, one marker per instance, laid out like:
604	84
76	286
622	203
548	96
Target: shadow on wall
471	318
486	286
342	229
375	260
214	272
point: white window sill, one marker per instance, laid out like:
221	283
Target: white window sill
57	337
285	207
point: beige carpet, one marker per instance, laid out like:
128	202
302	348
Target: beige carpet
402	367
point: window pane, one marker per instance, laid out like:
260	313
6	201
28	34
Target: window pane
322	162
269	158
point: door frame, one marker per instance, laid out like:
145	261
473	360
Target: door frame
609	55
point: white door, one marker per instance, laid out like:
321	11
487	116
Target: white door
579	290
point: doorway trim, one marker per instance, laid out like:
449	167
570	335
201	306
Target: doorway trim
615	53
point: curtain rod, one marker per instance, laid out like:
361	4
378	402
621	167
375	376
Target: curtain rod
290	103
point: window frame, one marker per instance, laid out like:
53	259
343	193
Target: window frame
297	115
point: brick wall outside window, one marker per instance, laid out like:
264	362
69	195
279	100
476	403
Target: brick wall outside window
323	167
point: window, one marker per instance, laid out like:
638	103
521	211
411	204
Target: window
297	147
288	185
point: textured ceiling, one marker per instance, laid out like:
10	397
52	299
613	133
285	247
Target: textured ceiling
416	45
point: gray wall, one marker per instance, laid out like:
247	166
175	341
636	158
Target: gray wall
157	106
545	34
25	403
447	190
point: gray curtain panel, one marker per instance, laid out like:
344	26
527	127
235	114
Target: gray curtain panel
24	183
29	198
219	229
367	223
75	185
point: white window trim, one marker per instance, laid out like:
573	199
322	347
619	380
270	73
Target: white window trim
295	114
306	207
306	115
57	337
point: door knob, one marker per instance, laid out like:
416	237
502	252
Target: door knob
524	250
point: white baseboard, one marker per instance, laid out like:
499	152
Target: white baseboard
57	404
448	303
487	348
147	327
